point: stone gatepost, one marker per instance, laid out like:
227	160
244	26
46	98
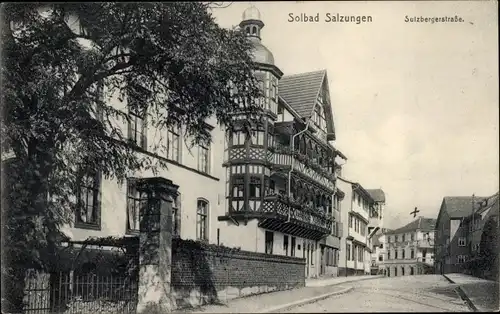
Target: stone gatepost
155	246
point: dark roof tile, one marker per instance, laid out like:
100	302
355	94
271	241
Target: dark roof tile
422	223
377	194
301	90
460	206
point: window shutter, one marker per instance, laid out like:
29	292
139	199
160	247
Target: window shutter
340	229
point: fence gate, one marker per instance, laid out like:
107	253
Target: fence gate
37	292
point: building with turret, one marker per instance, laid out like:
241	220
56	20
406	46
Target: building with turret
280	182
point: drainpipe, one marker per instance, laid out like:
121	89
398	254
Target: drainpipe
293	162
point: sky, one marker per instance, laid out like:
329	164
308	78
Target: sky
415	105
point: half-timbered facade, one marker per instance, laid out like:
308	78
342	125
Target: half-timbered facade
280	180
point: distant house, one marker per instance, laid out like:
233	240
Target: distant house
379	251
467	237
410	249
452	249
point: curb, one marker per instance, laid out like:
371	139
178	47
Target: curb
462	295
305	301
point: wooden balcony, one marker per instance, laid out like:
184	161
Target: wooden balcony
277	208
274	212
282	158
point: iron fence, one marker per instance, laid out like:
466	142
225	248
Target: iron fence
68	292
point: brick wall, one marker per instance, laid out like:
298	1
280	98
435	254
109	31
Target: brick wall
204	273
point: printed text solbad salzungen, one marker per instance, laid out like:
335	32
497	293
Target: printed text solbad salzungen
328	17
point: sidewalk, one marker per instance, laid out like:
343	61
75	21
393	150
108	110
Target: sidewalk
267	301
322	282
481	292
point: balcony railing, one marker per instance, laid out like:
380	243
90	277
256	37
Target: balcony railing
283	206
425	244
283	156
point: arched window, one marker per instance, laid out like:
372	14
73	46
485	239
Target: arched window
248	30
254	30
202	220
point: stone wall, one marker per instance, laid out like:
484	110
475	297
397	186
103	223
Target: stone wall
204	274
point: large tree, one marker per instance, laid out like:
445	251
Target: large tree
170	60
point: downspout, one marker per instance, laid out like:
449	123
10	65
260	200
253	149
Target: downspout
293	163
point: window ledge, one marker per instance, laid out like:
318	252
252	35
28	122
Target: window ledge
132	232
88	226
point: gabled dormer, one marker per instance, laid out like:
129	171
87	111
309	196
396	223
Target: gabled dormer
308	94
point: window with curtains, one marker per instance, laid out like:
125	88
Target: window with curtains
257	137
88	213
238	186
202	220
136	202
204	159
255	187
238	138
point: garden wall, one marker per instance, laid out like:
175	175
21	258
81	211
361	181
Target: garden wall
204	273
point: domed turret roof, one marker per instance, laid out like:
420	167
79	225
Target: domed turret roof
252	23
260	53
252	13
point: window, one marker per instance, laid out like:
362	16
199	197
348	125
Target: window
203	159
257	137
285	244
137	127
381	245
381	258
461	241
88	200
136	200
461	259
202	220
395	254
389	255
412	254
348	251
255	187
173	144
412	236
269	242
292	247
238	193
350	221
403	254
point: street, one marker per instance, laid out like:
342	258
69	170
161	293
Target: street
424	293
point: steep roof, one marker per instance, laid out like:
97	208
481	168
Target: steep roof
421	223
377	194
301	90
460	206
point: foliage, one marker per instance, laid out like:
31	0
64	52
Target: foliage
170	61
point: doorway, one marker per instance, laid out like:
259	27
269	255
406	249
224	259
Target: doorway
323	262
